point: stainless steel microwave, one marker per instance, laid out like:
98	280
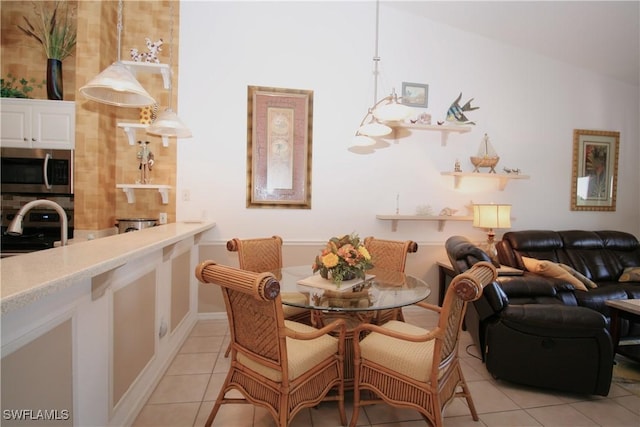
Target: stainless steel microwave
36	171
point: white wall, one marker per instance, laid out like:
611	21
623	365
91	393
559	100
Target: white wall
529	106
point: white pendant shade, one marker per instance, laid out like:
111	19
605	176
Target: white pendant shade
116	85
374	129
169	124
362	140
392	112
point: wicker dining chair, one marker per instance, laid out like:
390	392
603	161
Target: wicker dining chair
278	364
260	255
410	367
389	255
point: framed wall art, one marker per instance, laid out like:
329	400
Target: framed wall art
415	94
594	178
279	142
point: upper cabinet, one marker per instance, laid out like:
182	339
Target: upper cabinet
37	123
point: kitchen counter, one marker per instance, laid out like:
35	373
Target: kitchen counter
29	277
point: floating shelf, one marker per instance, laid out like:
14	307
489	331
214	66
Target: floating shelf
501	177
444	129
153	68
442	219
130	130
131	197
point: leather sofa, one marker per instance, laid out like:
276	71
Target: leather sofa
528	335
600	256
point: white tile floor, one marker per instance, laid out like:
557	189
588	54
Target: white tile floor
185	395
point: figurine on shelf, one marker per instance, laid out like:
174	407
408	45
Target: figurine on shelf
486	157
448	212
457	167
514	171
151	56
146	158
455	113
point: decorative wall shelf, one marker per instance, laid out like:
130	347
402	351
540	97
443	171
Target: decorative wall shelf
131	197
151	67
442	219
445	130
501	177
130	130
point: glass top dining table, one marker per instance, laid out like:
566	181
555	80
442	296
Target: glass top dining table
381	290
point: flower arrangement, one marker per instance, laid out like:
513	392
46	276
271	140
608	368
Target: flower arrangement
344	258
55	28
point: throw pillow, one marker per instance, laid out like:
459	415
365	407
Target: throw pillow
584	279
553	270
630	274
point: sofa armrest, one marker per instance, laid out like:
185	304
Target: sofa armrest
553	320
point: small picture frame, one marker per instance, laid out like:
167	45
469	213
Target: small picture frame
595	170
415	94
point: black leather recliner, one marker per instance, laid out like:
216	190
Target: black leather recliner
539	341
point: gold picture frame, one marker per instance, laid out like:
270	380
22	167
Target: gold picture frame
279	147
594	179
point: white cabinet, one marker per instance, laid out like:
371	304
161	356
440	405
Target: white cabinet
37	123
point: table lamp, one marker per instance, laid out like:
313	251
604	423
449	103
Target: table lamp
491	216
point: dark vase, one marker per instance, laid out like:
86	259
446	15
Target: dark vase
54	79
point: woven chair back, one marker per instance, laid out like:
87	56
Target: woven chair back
258	255
464	288
254	310
389	254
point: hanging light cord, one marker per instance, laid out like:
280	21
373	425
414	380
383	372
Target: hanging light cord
119	28
376	58
171	54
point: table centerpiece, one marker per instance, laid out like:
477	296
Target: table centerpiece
344	258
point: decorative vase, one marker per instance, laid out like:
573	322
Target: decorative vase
54	79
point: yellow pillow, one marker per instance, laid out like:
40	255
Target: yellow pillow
587	282
630	274
551	269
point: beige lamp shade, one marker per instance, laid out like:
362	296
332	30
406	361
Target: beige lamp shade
169	124
492	216
116	85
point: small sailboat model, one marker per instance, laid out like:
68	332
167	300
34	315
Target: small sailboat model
486	158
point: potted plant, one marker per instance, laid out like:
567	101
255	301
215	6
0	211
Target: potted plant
55	29
14	88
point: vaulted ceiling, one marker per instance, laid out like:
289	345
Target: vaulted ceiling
603	36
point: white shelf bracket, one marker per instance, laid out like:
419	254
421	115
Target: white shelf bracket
131	134
444	135
164	193
131	197
165	141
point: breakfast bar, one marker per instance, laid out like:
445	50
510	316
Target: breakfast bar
96	322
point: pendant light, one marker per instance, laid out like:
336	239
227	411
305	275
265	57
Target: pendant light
388	109
168	123
116	85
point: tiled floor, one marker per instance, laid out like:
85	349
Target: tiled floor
185	395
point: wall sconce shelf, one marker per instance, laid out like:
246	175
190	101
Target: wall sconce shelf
131	197
445	130
151	67
130	130
503	179
442	219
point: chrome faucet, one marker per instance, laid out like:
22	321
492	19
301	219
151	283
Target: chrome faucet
15	228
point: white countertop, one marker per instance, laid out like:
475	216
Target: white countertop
26	278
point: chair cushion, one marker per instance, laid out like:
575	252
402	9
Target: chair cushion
297	297
413	359
302	354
